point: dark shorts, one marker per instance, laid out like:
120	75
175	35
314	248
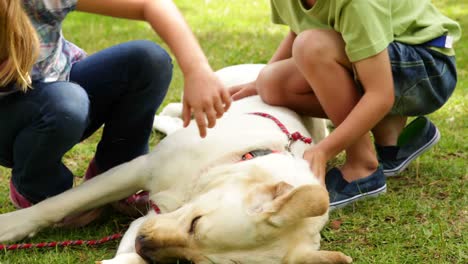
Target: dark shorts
424	79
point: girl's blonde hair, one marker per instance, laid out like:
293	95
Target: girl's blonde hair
19	45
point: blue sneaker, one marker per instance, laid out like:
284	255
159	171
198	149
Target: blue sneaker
416	138
343	193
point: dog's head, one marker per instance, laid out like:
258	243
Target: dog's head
257	211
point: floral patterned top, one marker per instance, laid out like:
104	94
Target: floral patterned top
57	55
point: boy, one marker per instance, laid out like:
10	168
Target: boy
367	66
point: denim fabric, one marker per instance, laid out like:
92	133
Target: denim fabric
342	193
120	87
417	137
424	79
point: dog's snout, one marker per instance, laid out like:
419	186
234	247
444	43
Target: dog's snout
152	253
141	248
138	242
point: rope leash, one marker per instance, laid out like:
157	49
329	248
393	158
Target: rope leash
70	243
62	244
291	137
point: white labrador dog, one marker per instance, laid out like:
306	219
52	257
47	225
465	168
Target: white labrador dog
241	195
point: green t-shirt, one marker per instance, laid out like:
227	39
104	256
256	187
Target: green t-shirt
369	26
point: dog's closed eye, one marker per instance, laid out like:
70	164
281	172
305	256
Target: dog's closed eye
193	225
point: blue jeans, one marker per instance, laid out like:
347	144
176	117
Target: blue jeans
120	87
424	79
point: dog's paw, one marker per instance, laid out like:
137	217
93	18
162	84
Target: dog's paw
167	124
239	74
170	119
124	258
172	109
18	225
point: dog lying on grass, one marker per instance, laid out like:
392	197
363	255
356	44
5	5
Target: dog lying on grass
243	194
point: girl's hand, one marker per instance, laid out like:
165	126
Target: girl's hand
205	97
204	94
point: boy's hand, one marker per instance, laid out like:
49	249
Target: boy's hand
205	97
243	90
317	162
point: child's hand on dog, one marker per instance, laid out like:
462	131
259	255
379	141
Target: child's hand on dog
243	90
205	97
317	161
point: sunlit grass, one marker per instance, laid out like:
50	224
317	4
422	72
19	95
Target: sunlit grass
423	217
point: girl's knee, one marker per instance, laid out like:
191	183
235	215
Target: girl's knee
152	69
66	110
151	57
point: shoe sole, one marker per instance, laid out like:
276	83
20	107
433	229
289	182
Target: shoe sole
419	152
360	196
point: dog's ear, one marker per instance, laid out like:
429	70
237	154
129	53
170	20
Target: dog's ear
292	204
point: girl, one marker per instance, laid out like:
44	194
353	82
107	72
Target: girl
52	95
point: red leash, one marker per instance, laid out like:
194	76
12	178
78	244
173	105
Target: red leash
291	137
62	244
69	243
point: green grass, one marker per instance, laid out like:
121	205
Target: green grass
423	217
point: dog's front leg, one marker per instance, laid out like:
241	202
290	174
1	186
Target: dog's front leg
126	252
126	258
110	186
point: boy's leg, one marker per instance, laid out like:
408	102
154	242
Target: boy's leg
387	131
321	58
37	129
281	84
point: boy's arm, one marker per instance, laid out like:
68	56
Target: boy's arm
376	77
284	50
204	94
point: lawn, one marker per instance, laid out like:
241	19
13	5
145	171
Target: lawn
422	218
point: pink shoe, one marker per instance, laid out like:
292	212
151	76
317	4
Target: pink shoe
77	220
18	200
135	205
92	170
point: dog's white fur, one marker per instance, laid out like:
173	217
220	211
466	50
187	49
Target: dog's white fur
215	208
